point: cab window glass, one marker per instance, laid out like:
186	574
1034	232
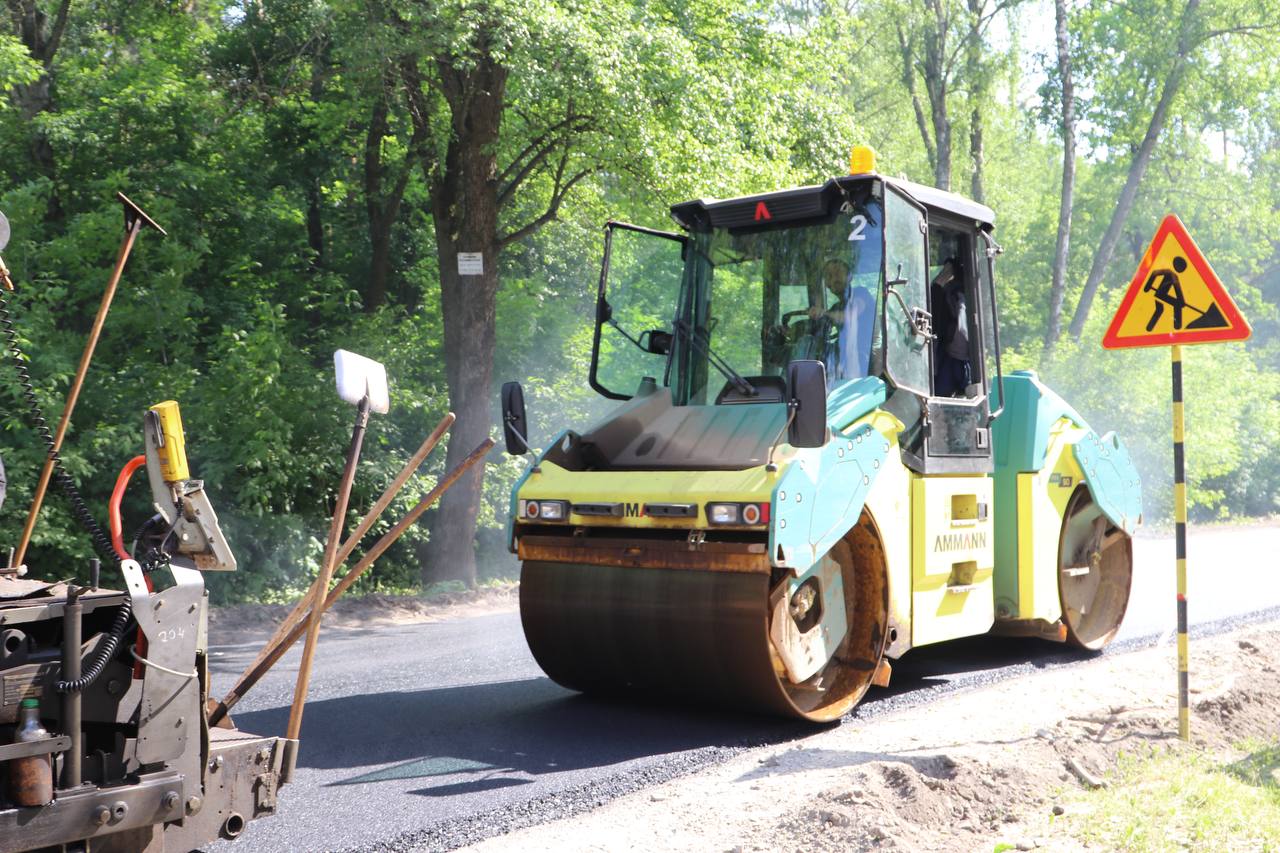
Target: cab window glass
951	306
641	291
906	355
986	314
758	298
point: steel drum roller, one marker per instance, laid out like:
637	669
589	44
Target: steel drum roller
701	635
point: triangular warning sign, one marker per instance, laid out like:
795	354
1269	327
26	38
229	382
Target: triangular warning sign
1175	298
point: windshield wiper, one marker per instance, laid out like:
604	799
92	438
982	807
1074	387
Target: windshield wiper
743	386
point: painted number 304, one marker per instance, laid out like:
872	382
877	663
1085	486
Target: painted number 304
859	224
171	634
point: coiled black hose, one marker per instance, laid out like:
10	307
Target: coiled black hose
102	654
101	541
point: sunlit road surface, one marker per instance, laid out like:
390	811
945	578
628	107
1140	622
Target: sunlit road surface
436	734
1230	571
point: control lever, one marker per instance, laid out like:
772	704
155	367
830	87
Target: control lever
920	320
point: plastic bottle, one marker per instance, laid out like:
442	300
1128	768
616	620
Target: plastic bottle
31	778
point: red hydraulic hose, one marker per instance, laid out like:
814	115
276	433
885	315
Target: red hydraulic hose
113	509
117	540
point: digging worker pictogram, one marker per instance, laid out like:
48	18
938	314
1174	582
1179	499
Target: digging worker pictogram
1167	292
1166	288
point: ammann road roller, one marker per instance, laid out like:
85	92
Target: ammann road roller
815	462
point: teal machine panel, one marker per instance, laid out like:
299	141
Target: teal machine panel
820	495
1019	440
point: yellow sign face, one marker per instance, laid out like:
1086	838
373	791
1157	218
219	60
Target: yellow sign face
1174	298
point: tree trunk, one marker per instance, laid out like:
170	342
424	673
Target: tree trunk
909	80
315	224
376	207
977	96
315	206
1137	168
942	133
976	189
465	211
1061	251
375	291
382	202
42	38
935	132
936	84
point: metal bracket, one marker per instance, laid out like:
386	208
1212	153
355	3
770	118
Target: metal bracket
264	789
199	534
921	322
170	698
46	746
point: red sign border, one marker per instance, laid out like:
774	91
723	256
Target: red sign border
1239	328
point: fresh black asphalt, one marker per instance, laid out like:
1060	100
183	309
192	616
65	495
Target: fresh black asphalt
436	735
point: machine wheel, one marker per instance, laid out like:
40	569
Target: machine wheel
702	635
1095	572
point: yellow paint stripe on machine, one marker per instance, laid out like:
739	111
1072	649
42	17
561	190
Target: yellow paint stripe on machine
1042	502
645	499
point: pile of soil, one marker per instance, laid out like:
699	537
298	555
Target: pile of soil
251	620
1003	765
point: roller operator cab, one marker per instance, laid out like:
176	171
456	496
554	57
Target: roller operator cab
815	462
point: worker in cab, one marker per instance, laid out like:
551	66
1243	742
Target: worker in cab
952	373
849	322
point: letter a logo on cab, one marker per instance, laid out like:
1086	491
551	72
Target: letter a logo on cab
762	212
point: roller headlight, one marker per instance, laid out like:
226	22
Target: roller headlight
745	514
722	513
540	510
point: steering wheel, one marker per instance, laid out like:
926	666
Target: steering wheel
825	329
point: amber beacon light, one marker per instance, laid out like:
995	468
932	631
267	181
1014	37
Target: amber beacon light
862	160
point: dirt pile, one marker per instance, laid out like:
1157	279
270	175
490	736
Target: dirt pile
970	799
1004	765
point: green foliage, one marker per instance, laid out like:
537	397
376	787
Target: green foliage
17	68
244	129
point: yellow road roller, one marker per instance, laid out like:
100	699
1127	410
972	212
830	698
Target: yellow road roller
814	462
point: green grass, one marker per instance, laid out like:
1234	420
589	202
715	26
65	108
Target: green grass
1185	801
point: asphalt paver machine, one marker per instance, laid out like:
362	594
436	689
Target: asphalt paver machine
815	462
105	743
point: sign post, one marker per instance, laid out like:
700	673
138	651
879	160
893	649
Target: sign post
1174	299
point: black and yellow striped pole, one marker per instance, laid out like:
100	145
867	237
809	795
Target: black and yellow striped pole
1174	274
1180	542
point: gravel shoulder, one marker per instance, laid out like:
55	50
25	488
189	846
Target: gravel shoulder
1001	765
248	622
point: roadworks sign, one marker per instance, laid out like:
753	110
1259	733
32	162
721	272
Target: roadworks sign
1175	298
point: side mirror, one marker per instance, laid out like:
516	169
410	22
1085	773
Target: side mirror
807	398
657	342
515	425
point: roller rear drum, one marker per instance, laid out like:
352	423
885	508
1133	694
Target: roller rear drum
1095	573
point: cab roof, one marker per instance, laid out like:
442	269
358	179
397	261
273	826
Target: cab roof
815	201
